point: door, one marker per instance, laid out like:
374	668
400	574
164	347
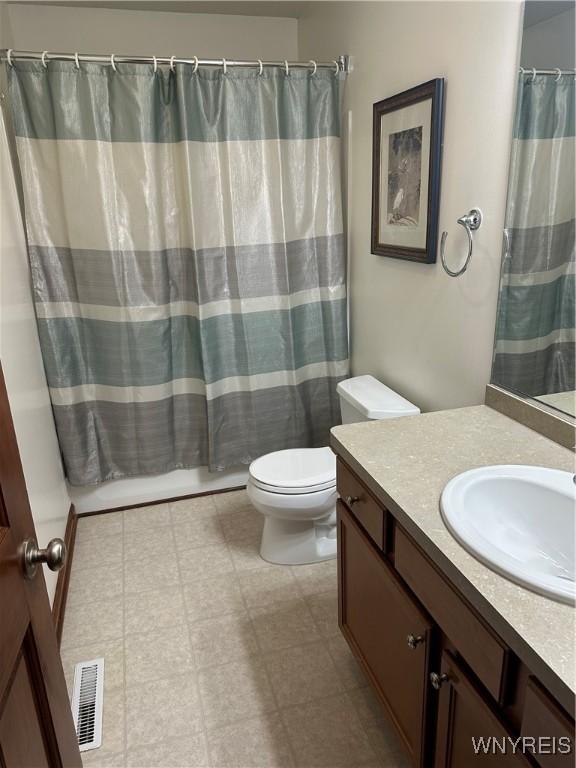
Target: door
36	726
387	631
469	731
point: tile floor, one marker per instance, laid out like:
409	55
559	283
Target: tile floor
213	657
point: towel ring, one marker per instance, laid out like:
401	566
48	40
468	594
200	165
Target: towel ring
471	222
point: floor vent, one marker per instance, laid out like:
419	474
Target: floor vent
87	702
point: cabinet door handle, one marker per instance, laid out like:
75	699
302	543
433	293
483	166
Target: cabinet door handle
351	500
437	680
414	641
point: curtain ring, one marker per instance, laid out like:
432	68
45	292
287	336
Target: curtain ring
314	65
155	60
112	62
522	71
224	66
336	67
286	67
43	57
533	74
172	69
77	60
261	66
9	57
559	75
196	62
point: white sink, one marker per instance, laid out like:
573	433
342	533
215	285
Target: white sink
519	520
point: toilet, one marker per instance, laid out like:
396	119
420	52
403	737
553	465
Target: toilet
295	489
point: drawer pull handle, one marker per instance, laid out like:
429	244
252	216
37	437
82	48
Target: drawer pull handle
437	680
414	641
351	500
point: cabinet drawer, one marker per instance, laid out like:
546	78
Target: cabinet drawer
477	644
363	506
543	718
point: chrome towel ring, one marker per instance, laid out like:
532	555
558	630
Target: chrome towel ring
471	222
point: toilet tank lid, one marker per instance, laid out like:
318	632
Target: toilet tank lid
374	399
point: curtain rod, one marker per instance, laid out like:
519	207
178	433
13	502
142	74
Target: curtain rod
341	64
558	72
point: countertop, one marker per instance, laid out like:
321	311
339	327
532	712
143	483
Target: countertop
407	462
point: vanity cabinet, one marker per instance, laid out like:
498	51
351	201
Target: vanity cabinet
464	715
442	674
541	714
397	666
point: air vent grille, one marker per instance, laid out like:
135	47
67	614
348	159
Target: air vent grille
87	703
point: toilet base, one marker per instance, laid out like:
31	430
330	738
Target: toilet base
298	542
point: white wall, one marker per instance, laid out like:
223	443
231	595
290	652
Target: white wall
21	360
98	30
421	332
550	43
142	33
24	373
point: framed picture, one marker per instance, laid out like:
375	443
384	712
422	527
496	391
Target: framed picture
406	156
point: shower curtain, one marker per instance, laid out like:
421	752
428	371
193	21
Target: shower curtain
188	261
535	338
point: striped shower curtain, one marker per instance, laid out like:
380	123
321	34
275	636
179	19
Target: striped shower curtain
187	258
535	338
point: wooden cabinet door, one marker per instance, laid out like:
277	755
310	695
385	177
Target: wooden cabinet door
464	717
377	616
36	726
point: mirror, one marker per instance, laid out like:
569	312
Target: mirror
534	347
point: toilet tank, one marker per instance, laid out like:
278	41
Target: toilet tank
364	398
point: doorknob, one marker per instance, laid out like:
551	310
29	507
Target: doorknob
438	680
54	556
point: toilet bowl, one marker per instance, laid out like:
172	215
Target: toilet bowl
295	489
296	492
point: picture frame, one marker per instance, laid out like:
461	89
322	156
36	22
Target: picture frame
407	139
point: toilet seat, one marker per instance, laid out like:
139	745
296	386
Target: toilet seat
295	471
287	491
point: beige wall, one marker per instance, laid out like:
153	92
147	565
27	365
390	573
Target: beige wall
421	332
550	43
5	36
96	30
